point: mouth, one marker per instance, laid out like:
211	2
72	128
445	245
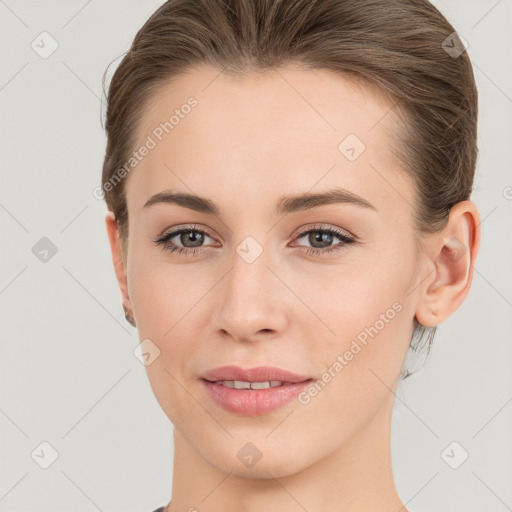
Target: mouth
253	392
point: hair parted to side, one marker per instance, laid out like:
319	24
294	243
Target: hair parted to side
395	45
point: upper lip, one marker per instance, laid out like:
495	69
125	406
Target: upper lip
257	374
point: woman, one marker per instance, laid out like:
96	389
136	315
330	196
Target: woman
288	185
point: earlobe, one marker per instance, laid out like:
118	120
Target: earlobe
453	253
119	264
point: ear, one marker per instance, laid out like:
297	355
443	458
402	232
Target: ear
117	258
451	255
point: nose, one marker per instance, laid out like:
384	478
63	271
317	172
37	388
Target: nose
253	301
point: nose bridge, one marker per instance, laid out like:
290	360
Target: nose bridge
250	273
252	297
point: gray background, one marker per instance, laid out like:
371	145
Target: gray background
68	373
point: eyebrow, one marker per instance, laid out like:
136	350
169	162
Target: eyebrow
286	204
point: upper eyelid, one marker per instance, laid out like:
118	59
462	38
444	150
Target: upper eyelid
342	231
178	229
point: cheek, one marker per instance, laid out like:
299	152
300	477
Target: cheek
366	310
162	298
160	294
166	302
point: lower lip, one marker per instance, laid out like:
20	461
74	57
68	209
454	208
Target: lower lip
253	402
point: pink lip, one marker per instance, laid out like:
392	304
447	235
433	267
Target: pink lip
258	374
253	402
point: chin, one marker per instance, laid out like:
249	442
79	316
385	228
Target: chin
258	459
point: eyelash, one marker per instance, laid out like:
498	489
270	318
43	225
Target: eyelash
345	240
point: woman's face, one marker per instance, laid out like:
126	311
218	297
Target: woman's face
248	293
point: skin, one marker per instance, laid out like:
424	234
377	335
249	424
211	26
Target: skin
249	141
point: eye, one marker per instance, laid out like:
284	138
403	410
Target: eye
321	239
191	237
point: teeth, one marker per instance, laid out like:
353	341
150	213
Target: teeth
240	384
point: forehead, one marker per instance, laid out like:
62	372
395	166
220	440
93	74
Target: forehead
289	128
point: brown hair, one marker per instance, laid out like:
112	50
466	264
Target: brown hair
404	47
